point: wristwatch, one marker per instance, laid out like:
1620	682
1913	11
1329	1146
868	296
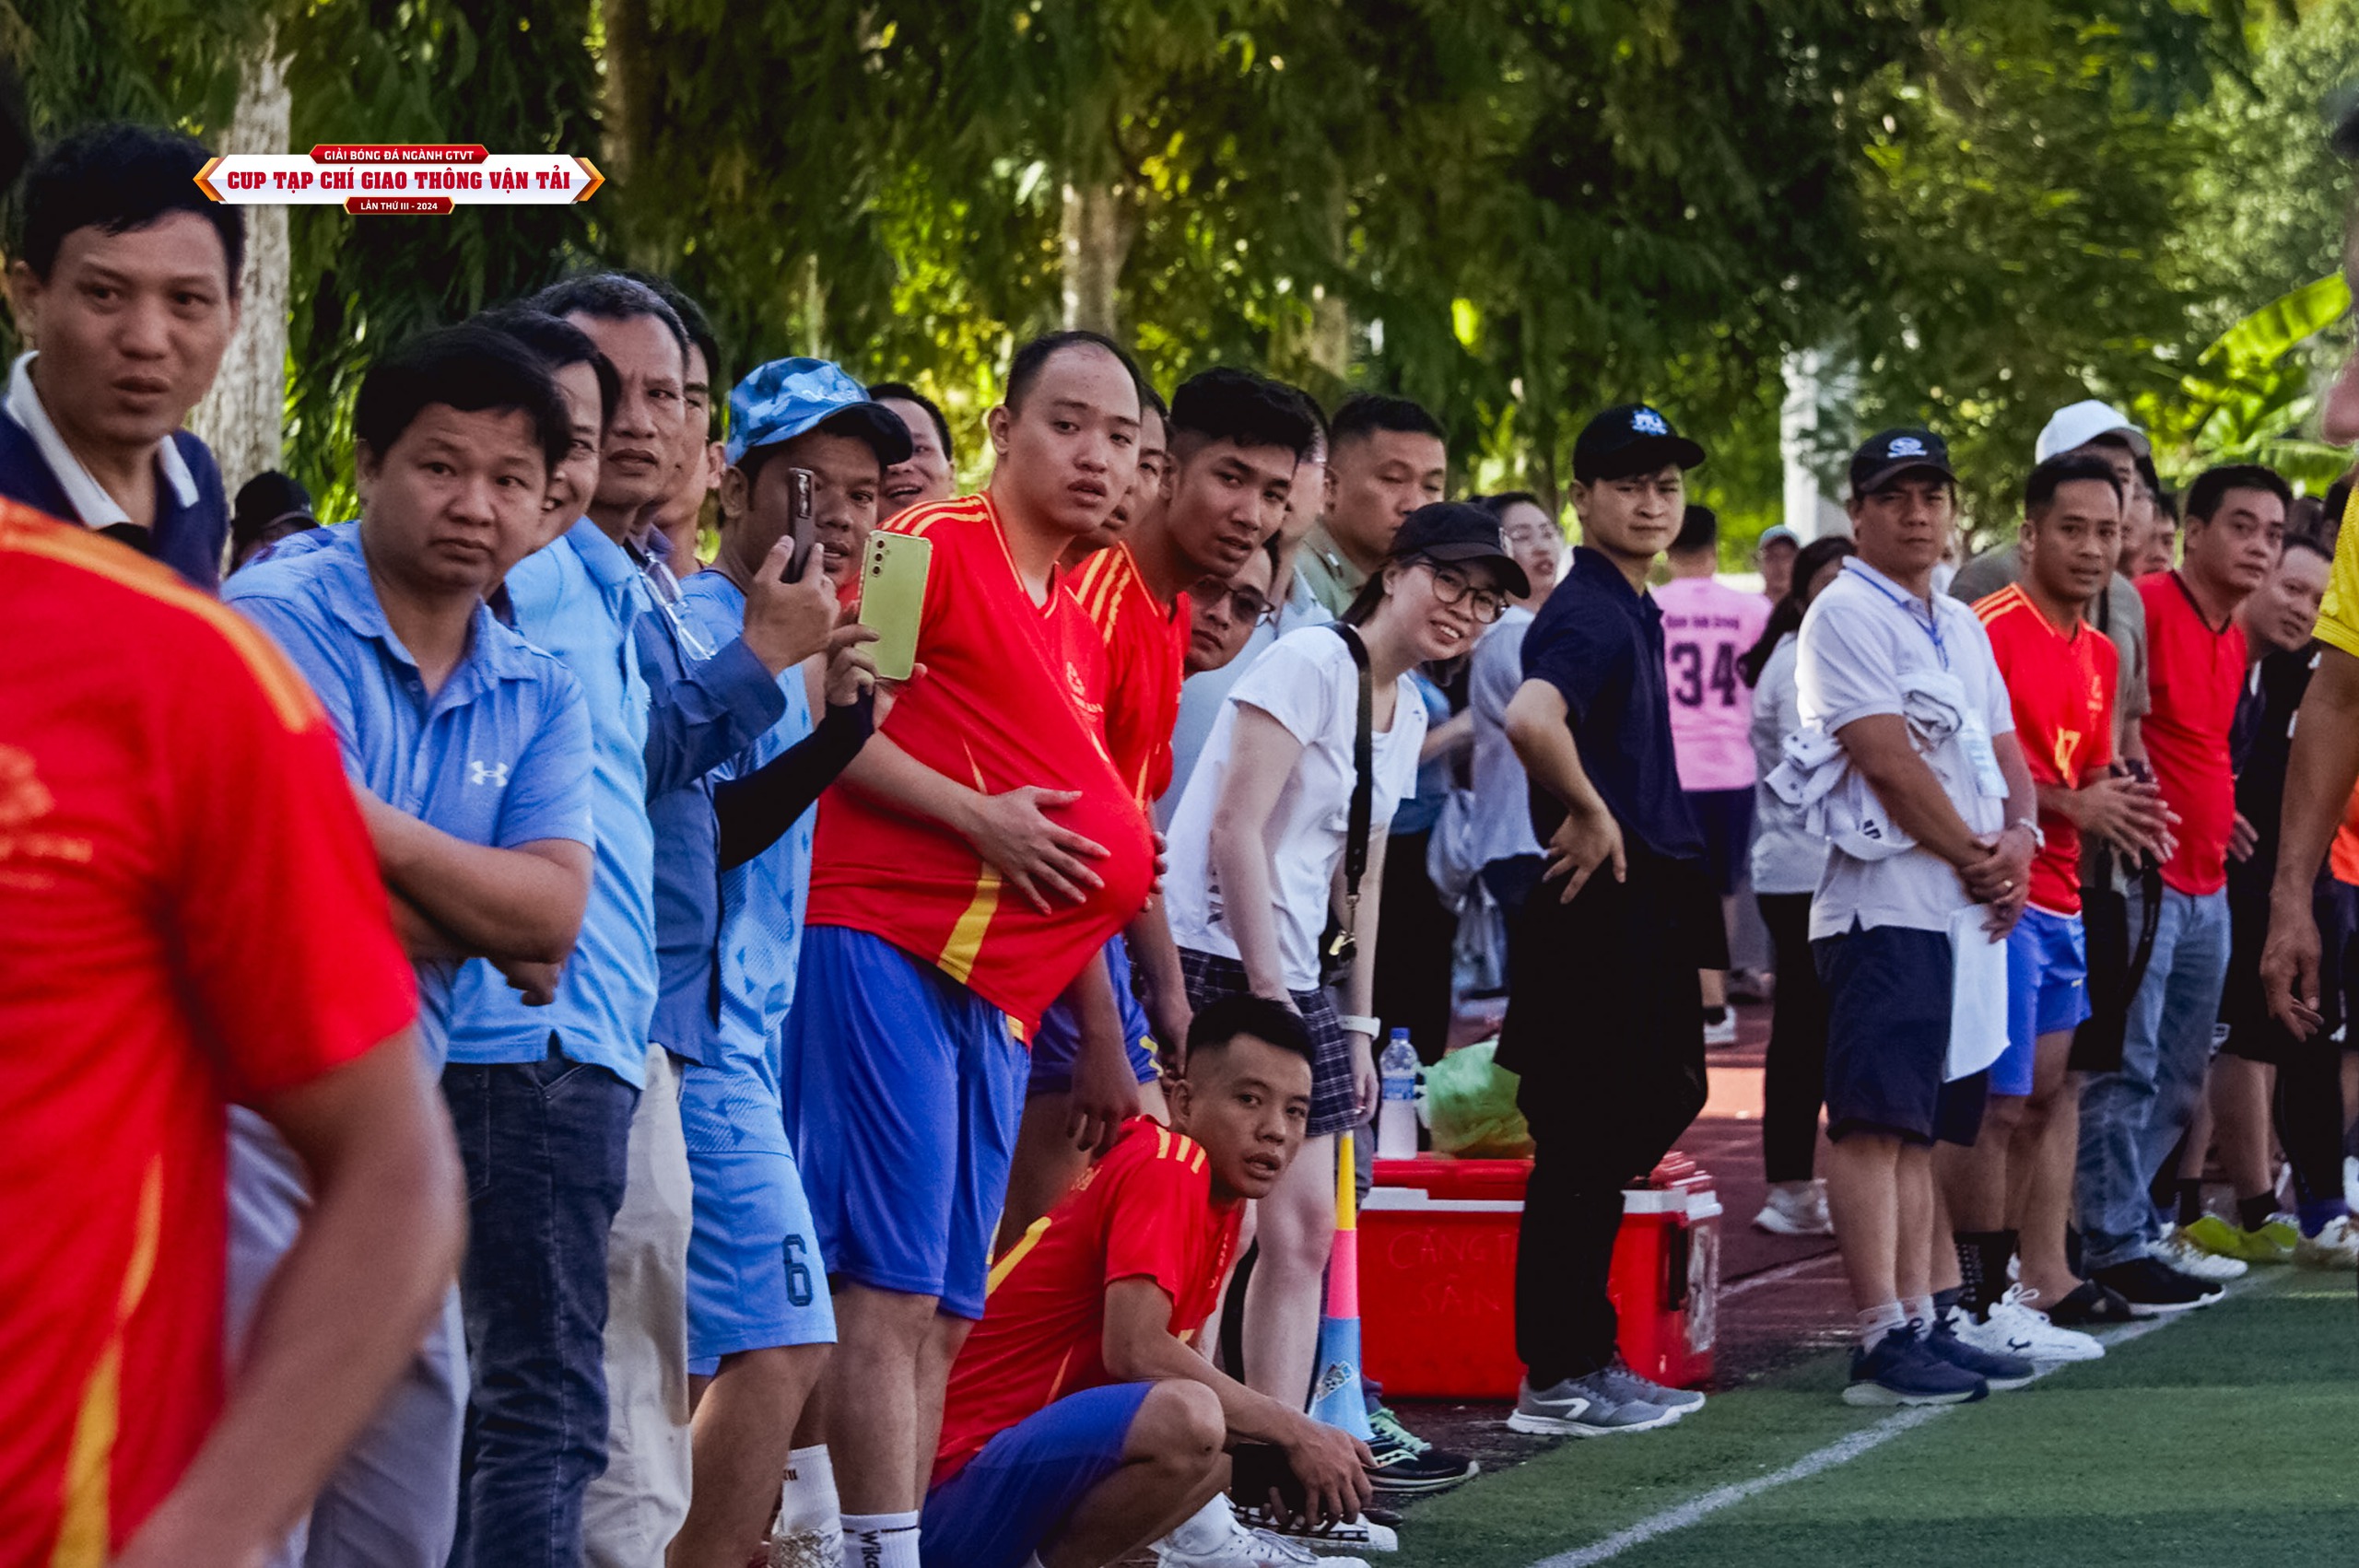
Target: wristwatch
2031	825
1360	1024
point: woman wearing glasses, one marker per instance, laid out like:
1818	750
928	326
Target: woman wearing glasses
1259	849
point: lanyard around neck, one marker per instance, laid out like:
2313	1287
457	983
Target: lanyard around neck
1930	626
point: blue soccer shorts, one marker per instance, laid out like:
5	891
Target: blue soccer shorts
1015	1496
2048	992
1058	1044
909	1089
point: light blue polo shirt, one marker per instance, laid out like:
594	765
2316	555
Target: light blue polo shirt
577	598
736	1104
499	756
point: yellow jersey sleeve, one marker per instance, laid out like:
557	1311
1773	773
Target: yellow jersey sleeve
2338	616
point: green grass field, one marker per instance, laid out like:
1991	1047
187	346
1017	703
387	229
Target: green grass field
2230	1436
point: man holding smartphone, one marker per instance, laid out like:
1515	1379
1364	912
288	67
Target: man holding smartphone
1082	1422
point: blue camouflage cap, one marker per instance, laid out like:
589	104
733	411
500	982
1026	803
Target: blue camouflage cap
787	398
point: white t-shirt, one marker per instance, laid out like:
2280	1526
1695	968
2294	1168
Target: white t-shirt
1863	635
1787	856
1502	826
1307	683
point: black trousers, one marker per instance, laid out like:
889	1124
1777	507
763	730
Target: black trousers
1605	1025
1794	1082
1415	941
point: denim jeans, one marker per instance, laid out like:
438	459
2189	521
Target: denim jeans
545	1145
2131	1121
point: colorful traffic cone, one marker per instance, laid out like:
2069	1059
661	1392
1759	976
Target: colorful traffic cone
1336	1397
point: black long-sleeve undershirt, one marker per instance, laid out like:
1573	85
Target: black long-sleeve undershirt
753	810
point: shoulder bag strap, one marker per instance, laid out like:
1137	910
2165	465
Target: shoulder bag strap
1364	776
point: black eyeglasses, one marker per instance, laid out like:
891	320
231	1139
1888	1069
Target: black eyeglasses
1245	605
1486	604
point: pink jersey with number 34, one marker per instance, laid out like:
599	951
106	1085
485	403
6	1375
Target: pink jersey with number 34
1706	627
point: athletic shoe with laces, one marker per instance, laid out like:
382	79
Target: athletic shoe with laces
1795	1209
1237	1547
1359	1533
2154	1289
2272	1243
1593	1406
1648	1391
2089	1304
2015	1327
2002	1372
1406	1462
1902	1371
1716	1035
2335	1247
2181	1251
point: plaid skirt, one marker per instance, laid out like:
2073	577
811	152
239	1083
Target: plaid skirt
1332	1108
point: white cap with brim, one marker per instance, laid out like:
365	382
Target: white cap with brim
2072	429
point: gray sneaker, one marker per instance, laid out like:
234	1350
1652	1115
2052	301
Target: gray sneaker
1630	1385
1596	1406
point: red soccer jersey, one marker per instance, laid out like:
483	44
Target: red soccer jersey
2063	691
2195	675
190	913
1146	649
1013	695
1143	1211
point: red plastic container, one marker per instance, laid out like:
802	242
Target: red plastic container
1438	1242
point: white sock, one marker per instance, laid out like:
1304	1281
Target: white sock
1921	1314
1202	1531
881	1540
1878	1321
808	1502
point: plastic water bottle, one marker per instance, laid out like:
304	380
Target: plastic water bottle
1396	1122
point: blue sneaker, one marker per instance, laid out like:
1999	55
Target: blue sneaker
2000	1370
1902	1371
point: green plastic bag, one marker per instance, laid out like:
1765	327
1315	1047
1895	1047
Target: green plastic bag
1470	1106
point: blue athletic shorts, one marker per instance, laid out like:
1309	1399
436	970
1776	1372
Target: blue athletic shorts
1057	1044
909	1089
755	1279
1887	1030
2048	991
1016	1495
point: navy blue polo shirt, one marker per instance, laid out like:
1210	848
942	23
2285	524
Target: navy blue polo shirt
1599	641
189	538
499	756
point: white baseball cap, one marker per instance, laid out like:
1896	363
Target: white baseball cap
2069	428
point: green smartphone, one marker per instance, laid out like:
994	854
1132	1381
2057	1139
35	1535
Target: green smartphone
892	599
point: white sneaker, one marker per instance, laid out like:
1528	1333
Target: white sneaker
1720	1033
1795	1209
2350	1180
1241	1547
2177	1252
2335	1247
2015	1327
1357	1533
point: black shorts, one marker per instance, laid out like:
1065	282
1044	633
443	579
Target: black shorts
1888	1036
2250	1031
1726	818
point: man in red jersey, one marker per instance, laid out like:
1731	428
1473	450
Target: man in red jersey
1082	1423
967	867
2063	679
2131	1120
190	912
1235	439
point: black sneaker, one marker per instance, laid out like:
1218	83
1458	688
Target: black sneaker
2153	1289
1407	1463
2091	1305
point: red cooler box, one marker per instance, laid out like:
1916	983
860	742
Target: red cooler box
1437	1239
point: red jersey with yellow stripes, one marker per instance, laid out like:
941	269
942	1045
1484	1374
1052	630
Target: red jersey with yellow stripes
190	913
1013	695
1146	649
2062	689
1146	1211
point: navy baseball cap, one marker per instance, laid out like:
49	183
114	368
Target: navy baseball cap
1458	531
1630	437
1888	454
787	398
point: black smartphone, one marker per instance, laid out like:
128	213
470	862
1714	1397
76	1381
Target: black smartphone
1257	1470
803	512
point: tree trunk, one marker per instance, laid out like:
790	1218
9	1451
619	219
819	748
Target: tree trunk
243	417
1097	234
628	110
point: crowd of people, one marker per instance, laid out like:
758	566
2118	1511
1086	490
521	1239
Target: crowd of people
546	1057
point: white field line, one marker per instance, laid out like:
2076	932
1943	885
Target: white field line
1778	1275
1842	1451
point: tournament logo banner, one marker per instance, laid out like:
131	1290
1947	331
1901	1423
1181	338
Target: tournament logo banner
381	179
